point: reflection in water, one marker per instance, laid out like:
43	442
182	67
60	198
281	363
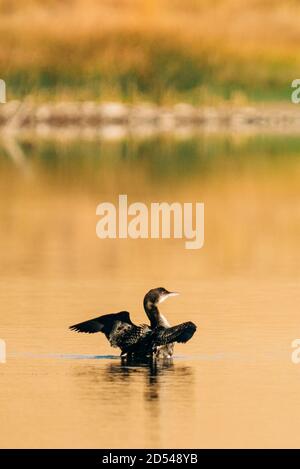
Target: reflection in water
155	374
142	398
159	158
241	289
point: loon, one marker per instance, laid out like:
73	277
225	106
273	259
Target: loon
135	341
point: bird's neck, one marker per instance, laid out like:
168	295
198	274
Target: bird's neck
155	317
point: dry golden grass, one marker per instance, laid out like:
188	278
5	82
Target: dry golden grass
155	49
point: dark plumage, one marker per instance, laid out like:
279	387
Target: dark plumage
181	333
142	340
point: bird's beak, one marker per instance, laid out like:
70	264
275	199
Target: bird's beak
173	293
163	298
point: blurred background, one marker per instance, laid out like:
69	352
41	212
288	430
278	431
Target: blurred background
164	51
168	100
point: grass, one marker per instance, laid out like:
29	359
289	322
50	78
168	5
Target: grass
162	51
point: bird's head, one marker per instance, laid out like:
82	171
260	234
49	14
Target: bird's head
156	296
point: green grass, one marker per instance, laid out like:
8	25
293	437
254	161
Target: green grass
169	51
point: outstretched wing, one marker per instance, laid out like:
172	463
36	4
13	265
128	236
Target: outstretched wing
104	323
118	329
180	333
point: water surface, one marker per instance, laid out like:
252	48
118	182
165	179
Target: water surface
233	384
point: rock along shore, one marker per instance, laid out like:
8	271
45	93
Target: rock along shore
145	118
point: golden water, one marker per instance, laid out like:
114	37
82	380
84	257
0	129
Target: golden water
233	384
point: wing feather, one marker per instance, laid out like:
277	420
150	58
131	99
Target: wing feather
103	324
180	333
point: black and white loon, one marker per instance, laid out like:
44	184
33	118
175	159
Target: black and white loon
156	340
